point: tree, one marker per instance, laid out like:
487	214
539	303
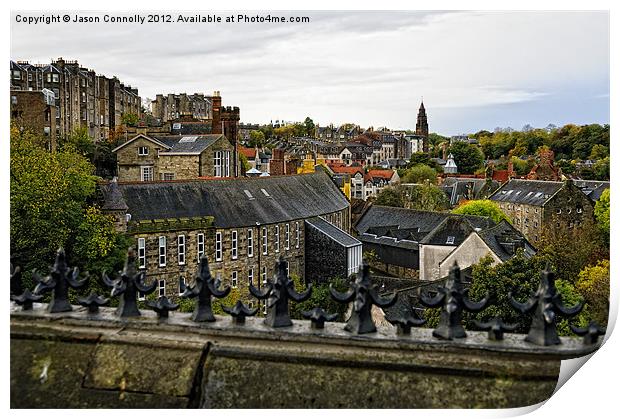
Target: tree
467	157
48	200
570	248
419	158
601	213
390	197
257	139
79	142
426	197
129	119
593	284
309	125
600	169
419	173
483	208
599	152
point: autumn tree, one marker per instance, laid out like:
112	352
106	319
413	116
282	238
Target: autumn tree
601	213
593	284
483	208
419	173
426	197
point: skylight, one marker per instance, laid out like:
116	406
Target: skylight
248	194
450	240
266	193
188	139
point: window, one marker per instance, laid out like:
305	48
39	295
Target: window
569	210
579	210
450	240
264	240
297	234
141	296
200	238
49	77
141	253
143	151
147	173
250	242
182	285
233	239
217	164
166	176
218	246
559	211
162	250
287	268
55	78
251	276
287	237
277	239
181	246
162	287
13	100
264	275
233	279
83	97
17	75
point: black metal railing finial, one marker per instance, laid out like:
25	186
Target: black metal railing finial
452	298
127	286
544	306
58	282
363	293
204	288
277	294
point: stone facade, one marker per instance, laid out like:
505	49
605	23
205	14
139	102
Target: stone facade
145	152
82	98
35	110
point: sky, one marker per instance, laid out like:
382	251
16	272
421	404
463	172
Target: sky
474	70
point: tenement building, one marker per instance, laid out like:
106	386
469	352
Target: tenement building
174	157
35	110
243	225
83	98
532	205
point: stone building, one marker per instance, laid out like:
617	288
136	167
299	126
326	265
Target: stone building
412	244
243	225
532	205
545	169
174	157
172	106
35	110
421	127
82	97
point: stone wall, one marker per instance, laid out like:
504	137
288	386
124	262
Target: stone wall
72	360
325	259
468	253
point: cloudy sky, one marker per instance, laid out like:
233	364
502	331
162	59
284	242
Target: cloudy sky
475	70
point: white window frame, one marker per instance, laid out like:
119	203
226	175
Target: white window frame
200	244
141	253
181	249
264	275
161	286
218	246
450	240
141	296
297	233
287	236
146	173
234	240
234	280
217	164
277	242
162	251
265	241
250	242
182	281
251	276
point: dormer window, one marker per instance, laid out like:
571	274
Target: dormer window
143	151
450	240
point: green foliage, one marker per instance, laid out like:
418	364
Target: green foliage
309	126
483	208
48	200
568	167
321	297
244	162
600	169
522	167
601	213
570	249
129	119
419	173
599	151
426	197
593	284
228	301
419	158
467	157
79	142
257	139
371	257
390	197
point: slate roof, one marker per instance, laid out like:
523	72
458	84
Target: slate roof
336	234
465	188
290	198
530	192
425	227
592	188
178	145
503	239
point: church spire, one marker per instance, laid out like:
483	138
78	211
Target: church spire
421	126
